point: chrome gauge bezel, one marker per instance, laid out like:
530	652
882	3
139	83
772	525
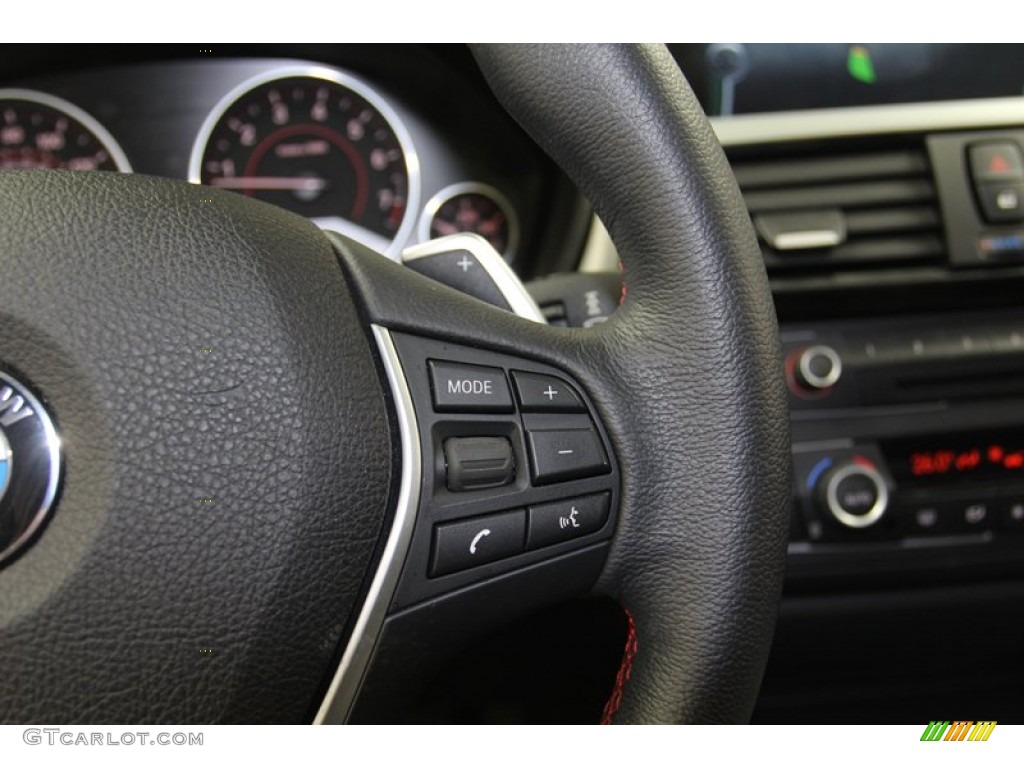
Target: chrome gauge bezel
347	80
471	187
76	113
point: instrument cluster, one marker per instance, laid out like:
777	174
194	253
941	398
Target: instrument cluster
321	141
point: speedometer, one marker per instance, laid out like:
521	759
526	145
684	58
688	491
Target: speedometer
38	130
320	143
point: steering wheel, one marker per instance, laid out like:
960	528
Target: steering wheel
238	477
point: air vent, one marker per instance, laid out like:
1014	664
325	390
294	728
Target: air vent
836	212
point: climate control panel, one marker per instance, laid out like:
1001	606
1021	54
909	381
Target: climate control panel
930	487
908	449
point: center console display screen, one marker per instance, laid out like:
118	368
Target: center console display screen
742	78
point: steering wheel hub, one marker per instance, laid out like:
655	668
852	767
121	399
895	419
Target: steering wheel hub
227	451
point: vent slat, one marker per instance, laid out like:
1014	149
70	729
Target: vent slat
891	220
866	252
897	192
802	172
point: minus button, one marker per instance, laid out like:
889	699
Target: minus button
565	454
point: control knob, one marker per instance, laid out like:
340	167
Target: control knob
818	368
854	493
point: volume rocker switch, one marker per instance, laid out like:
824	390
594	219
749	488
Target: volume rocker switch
478	462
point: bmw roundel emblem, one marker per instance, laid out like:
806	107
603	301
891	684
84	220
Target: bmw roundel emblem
29	465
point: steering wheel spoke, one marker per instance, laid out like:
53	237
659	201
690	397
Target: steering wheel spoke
512	480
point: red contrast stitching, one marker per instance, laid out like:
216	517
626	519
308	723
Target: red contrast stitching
625	670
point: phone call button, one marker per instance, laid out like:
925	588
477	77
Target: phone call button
480	540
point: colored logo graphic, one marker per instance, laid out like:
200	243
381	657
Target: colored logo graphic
959	730
5	464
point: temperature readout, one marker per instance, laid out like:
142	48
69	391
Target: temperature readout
954	458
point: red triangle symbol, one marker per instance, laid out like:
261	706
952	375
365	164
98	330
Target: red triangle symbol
998	164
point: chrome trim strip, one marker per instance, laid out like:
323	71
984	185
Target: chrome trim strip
89	122
347	80
337	704
811	238
471	187
505	280
774	127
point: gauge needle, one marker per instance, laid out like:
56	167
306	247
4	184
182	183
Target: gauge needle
289	183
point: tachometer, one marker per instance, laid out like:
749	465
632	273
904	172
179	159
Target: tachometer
38	130
321	144
476	208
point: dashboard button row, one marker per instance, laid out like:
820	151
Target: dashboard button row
997	170
954	518
463	388
467	543
556	453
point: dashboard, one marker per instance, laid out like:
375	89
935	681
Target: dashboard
886	186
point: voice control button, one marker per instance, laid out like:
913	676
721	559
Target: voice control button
565	520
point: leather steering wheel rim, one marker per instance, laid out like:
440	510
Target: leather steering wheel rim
225	430
703	591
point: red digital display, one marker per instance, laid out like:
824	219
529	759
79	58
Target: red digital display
942	461
983	457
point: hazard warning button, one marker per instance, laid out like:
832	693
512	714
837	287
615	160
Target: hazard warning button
996	161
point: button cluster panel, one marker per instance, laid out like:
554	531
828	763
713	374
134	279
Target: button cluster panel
997	171
979	181
517	469
468	543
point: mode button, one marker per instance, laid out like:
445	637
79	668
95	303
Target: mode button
461	388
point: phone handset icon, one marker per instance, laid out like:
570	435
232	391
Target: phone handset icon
476	540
